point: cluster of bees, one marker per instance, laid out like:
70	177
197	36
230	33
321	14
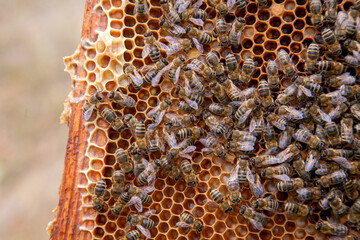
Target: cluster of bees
310	131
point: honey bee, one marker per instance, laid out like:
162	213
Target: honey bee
169	12
118	181
331	98
192	132
304	136
212	146
140	143
176	121
188	173
149	174
286	63
99	194
158	113
287	95
232	91
299	167
338	155
247	72
191	98
193	82
175	149
316	13
311	160
141	222
324	202
355	166
325	168
90	103
288	186
276	121
172	28
338	111
333	134
122	158
267	203
214	61
355	208
243	147
332	228
132	75
297	209
355	110
219	198
178	44
286	135
331	10
264	160
110	117
337	205
255	183
234	187
240	4
351	45
174	71
153	76
281	172
290	152
132	235
232	67
201	68
184	106
348	237
219	6
333	178
290	113
121	203
257	122
216	126
309	193
245	109
331	42
194	15
270	139
173	171
241	170
332	67
349	91
198	37
121	99
312	55
220	109
238	135
256	219
152	47
139	195
265	94
187	220
141	8
337	81
236	30
340	25
140	163
221	32
219	92
317	114
154	142
272	75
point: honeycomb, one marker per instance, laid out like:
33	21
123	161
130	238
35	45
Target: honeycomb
112	36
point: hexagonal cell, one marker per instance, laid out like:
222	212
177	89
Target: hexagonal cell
198	212
265	235
288	16
267	57
289	237
247	43
258	49
252	236
273	33
270	46
278	231
98	232
259	38
252	8
241	230
290	226
261	26
285	40
297	36
250	19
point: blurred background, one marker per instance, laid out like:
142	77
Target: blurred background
36	35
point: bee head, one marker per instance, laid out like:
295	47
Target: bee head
188	28
168	102
111	94
177	89
240	20
99	96
318	226
162	21
128	218
115	212
148	34
242	209
127	187
181	57
164	61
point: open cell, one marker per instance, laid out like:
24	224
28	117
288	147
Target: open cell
259	38
258	49
220	227
261	26
252	8
285	40
250	19
273	33
270	46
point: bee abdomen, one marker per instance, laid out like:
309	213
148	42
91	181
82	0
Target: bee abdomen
154	53
100	187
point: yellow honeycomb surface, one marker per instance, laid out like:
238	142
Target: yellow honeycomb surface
119	39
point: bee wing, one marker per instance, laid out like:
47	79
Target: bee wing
198	45
177	75
157	78
296	113
256	187
197	21
170	139
244	117
151	178
146	50
171	116
279	125
178	29
310	162
136	201
136	7
189	149
144	231
88	112
194	67
346	78
283	140
191	103
255	123
230	4
203	142
160	143
248	93
150	114
187	87
256	224
342	162
183	6
197	4
282	177
234	174
162	45
249	176
324	116
356	55
145	162
148	189
206	150
159	118
182	224
136	80
306	91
